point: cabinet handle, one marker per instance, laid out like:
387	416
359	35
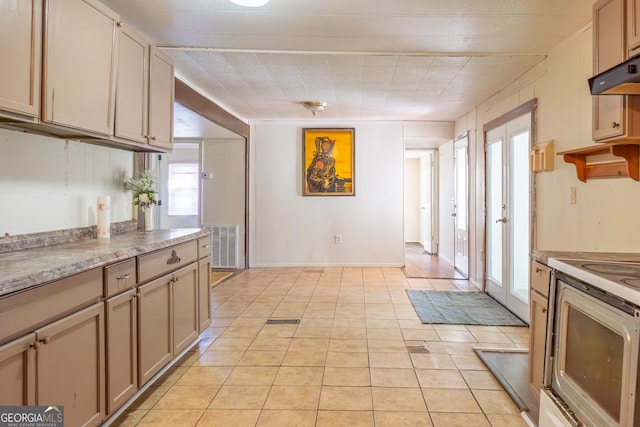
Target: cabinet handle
153	138
205	246
174	258
615	125
138	295
123	277
35	345
538	270
45	340
544	309
119	23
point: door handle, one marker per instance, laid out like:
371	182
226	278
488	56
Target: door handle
453	214
502	220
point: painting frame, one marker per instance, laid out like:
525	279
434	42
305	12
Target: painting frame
328	161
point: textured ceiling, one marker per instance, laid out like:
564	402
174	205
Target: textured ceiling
369	60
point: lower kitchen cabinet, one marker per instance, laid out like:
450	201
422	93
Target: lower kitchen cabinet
121	333
70	366
18	372
155	320
92	340
540	279
204	298
185	307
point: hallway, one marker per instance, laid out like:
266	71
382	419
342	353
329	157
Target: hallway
420	264
358	357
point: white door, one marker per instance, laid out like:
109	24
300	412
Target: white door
446	198
461	205
508	214
427	197
179	186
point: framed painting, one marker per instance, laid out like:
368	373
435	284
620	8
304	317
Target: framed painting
329	162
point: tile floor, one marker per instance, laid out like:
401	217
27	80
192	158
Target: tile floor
358	357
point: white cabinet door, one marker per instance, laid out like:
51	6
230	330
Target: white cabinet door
81	46
131	95
161	93
21	51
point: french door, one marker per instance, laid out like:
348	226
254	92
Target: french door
508	215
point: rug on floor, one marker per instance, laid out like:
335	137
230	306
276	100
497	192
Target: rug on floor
461	308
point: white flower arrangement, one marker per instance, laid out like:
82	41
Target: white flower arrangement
142	186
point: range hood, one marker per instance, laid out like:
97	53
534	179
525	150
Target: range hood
623	79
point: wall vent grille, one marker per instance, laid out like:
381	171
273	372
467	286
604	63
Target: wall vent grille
224	246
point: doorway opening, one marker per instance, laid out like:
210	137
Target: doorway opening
509	210
430	200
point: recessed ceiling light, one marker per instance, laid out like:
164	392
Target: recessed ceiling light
250	3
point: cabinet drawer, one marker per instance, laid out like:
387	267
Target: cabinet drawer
204	247
540	277
27	310
119	277
157	263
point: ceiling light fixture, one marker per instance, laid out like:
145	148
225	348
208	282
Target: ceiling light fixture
314	106
250	3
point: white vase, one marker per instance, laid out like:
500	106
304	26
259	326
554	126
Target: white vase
148	219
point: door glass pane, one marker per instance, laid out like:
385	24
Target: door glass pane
183	189
519	215
494	211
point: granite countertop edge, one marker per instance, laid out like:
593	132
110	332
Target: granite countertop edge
543	256
29	268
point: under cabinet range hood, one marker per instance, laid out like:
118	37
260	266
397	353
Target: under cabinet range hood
623	79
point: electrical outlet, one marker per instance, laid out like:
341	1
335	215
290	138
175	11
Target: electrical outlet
338	239
572	194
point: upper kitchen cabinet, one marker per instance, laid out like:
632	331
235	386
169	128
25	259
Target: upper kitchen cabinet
132	88
145	92
614	116
161	95
21	52
79	75
633	27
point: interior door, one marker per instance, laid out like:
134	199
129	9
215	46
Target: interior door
179	186
461	205
509	214
427	196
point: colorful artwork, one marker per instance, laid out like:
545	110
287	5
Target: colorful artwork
329	165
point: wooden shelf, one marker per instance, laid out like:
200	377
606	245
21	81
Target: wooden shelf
628	167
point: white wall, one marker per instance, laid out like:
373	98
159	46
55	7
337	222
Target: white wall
412	199
52	184
223	197
605	217
288	229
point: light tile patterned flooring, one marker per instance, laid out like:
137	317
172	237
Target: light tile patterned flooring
347	363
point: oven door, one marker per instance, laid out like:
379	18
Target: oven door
594	361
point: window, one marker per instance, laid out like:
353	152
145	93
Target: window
183	189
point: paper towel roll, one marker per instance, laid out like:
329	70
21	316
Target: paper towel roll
104	217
